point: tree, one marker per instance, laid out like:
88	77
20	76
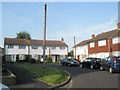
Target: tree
24	35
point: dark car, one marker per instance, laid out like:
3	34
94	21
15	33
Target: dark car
111	63
69	62
91	63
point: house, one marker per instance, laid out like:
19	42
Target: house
81	50
19	48
103	45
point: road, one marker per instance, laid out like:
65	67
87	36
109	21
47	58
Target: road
87	78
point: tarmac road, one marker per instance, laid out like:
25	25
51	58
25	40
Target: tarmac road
87	78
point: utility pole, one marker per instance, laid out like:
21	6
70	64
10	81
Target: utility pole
75	47
44	41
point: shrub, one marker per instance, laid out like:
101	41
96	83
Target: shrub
39	59
49	60
58	60
33	60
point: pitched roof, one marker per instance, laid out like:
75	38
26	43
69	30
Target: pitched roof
105	35
15	41
83	42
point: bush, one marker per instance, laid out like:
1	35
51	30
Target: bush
33	60
49	60
59	60
39	59
27	58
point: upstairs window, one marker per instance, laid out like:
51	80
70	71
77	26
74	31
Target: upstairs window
92	45
62	48
34	47
116	40
53	48
10	46
45	47
102	43
22	46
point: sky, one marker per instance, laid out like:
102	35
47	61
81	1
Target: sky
64	19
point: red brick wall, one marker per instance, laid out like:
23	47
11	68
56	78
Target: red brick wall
109	47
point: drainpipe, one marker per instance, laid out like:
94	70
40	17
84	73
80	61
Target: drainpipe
109	47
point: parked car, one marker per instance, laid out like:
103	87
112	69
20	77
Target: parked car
111	63
69	62
82	60
91	63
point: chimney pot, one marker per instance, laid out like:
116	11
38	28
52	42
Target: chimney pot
93	35
118	26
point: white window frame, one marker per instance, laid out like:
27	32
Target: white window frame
45	47
22	46
102	43
115	40
34	47
10	46
62	48
53	48
92	44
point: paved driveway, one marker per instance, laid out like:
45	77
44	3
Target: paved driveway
87	78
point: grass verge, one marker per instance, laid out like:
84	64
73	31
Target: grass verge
52	76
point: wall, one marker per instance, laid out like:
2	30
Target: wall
15	50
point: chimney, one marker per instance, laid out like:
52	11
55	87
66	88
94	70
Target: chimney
93	35
62	39
118	26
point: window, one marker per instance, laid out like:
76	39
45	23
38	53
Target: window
34	47
53	47
22	46
62	48
10	46
116	40
92	45
102	43
45	47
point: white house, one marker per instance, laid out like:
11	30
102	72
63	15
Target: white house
81	50
22	47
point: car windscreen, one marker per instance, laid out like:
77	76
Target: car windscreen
71	60
98	59
118	59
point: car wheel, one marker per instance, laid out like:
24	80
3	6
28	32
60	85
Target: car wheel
101	68
91	66
69	64
81	65
110	70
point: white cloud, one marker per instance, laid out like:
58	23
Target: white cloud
86	33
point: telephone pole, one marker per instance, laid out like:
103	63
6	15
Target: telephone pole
44	41
75	47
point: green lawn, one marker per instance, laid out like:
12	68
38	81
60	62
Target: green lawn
49	75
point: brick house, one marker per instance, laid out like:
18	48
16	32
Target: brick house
101	46
22	47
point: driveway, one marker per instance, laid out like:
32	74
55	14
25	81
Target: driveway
87	78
